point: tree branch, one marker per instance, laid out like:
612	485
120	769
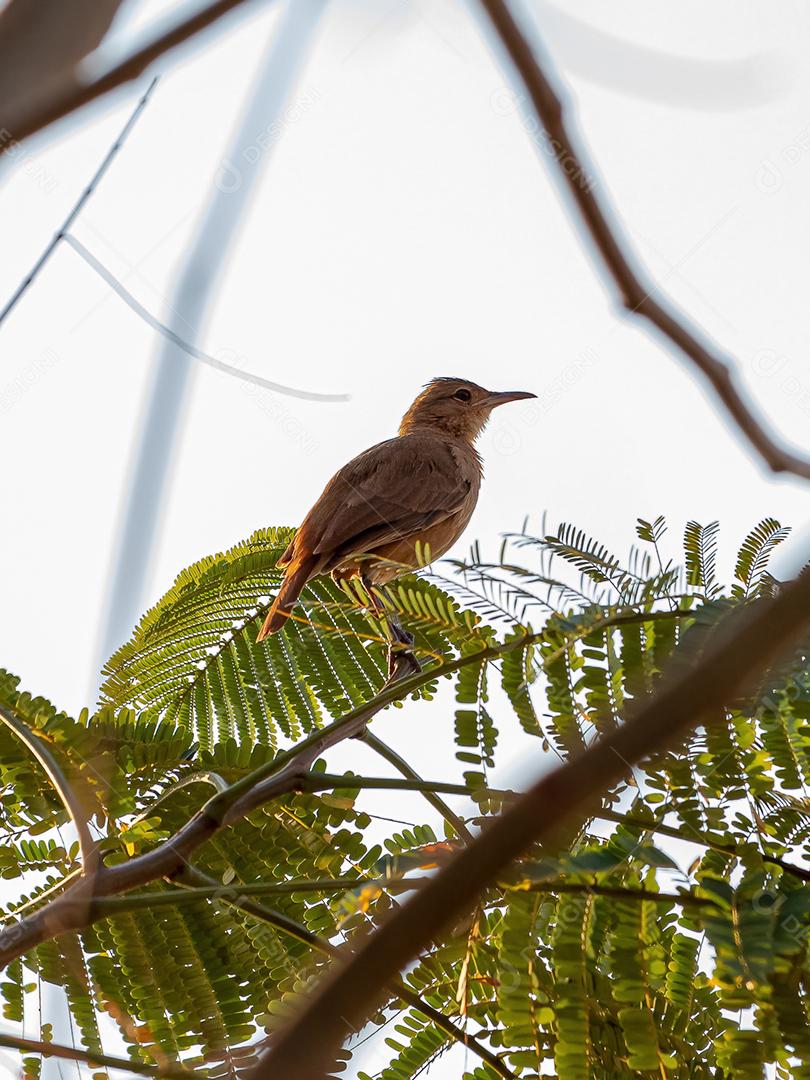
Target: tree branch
616	256
105	906
738	651
42	46
430	791
189	347
190	893
787	867
80	203
616	892
706	840
49	1049
337	781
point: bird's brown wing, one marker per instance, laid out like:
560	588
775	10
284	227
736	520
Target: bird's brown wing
395	489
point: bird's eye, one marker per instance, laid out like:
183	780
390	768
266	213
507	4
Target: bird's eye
462	395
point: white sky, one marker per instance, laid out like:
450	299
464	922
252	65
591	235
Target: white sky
406	227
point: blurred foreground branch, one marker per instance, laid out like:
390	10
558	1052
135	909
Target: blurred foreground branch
41	46
71	93
595	213
190	303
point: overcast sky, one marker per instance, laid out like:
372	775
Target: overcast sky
405	226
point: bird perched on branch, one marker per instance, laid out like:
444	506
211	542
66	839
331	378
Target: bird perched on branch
396	506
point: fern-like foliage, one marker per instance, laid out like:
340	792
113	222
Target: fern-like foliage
667	937
194	660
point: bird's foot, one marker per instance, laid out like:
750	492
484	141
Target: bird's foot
402	662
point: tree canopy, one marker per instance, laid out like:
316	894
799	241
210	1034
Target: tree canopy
665	936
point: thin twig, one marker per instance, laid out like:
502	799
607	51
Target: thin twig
205	358
206	776
106	906
38	898
70	1053
80	204
75	95
317	781
60	783
735	655
702	839
616	892
617	257
429	791
231	893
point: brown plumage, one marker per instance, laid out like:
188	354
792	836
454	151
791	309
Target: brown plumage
416	490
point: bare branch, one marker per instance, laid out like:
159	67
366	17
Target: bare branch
181	343
737	652
80	204
74	94
616	256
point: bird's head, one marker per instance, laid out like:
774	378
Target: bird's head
455	407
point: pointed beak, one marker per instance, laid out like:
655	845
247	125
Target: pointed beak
505	396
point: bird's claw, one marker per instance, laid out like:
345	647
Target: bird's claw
402	662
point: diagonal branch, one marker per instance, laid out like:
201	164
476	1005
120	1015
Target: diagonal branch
286	773
61	784
703	839
42	45
430	791
735	655
616	256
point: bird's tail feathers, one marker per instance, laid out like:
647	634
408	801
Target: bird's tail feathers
298	574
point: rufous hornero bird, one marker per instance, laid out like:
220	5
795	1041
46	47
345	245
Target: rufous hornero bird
397	505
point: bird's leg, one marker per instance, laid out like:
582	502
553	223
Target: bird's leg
401	658
373	599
